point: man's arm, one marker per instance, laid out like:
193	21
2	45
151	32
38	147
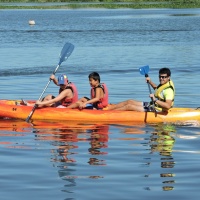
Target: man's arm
153	85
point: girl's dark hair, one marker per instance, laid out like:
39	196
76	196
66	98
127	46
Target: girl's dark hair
165	71
95	76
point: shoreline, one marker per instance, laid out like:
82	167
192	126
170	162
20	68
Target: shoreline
126	5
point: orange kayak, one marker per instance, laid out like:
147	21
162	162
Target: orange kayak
12	109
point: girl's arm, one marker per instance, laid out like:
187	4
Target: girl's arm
53	78
62	95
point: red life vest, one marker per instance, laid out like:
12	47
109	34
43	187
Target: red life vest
103	102
66	101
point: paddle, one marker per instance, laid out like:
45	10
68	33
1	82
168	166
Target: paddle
65	53
144	71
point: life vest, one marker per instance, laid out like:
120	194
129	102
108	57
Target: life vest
67	101
159	93
103	102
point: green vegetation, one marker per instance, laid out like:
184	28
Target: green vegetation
109	4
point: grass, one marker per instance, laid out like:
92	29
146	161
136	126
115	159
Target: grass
108	4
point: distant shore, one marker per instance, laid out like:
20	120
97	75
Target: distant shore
23	4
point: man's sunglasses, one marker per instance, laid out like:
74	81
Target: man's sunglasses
163	77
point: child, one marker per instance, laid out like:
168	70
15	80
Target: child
68	94
99	95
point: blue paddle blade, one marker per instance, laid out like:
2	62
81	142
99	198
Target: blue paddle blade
144	70
66	52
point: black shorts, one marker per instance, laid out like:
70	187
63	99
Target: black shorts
91	106
148	107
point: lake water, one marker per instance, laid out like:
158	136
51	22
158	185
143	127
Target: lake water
65	160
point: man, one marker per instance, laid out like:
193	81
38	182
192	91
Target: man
163	98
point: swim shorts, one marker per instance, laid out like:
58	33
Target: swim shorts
148	107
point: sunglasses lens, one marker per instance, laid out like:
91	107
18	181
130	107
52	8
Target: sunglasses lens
163	77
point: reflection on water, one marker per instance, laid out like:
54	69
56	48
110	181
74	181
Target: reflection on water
65	142
74	149
162	142
98	140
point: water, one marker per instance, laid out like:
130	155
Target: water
65	160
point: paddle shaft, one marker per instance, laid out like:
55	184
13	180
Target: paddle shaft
35	106
49	82
144	71
146	75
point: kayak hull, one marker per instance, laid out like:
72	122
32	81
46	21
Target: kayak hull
12	109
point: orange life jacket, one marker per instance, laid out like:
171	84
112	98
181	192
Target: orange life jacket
67	101
103	102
